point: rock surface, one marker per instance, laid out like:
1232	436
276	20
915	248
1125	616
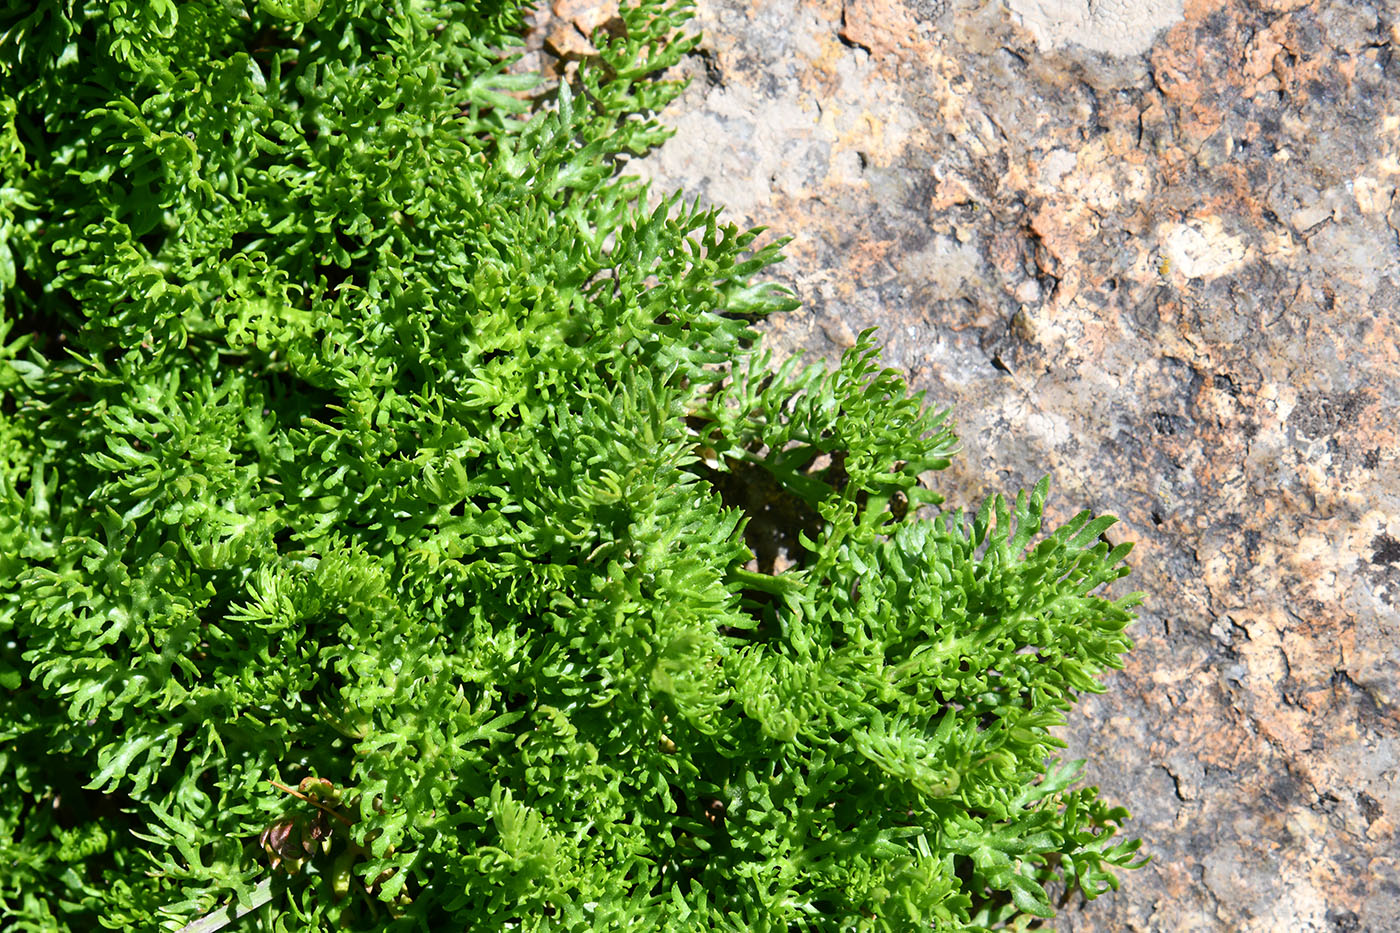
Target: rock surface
1171	279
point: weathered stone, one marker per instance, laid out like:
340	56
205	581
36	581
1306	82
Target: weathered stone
1169	279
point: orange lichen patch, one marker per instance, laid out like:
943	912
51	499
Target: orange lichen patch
571	24
1063	226
949	192
882	27
585	15
867	258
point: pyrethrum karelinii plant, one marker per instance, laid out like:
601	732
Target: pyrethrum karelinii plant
399	528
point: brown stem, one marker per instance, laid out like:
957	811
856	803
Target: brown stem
315	803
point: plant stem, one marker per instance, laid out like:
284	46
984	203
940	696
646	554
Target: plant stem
221	917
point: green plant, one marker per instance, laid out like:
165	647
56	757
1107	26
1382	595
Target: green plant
398	528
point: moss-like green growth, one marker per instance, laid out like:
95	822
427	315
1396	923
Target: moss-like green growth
398	526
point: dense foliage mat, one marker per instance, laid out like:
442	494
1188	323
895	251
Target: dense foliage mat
399	526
